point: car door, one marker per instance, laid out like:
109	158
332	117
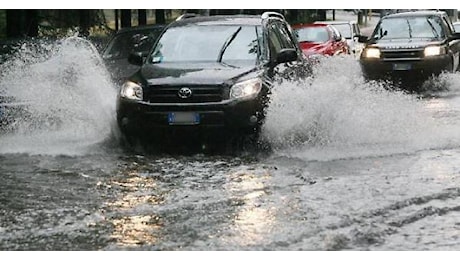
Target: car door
454	44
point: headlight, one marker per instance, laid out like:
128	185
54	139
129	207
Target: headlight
131	90
371	53
246	88
434	51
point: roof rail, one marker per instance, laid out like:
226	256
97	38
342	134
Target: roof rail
266	15
185	16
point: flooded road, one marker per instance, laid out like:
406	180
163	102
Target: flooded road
353	167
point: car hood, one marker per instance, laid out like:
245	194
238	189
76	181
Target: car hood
310	48
209	73
412	43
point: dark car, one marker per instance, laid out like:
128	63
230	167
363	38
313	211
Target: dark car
126	41
208	79
320	39
409	48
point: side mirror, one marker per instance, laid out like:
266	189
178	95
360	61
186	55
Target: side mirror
455	36
286	55
136	58
362	38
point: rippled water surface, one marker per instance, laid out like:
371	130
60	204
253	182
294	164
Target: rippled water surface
353	167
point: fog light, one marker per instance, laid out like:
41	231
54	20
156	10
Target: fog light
253	119
124	121
371	53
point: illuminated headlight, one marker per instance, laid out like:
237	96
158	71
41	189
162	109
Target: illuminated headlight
246	88
131	90
434	51
371	53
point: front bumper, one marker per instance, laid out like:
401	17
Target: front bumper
405	69
140	118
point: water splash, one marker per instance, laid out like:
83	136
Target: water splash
336	114
69	97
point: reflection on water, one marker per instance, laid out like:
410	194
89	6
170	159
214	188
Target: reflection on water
135	230
252	221
131	224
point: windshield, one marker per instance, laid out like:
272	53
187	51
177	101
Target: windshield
457	27
344	29
410	27
126	43
312	34
208	43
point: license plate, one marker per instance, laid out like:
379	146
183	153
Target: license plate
183	118
402	66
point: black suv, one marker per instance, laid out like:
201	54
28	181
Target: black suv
209	76
410	48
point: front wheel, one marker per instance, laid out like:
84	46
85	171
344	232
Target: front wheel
247	142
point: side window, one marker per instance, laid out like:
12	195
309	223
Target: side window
335	33
274	40
280	38
450	27
287	36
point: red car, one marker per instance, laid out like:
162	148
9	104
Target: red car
320	39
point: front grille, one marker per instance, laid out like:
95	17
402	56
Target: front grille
169	94
411	54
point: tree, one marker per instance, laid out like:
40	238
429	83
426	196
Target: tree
142	16
13	23
160	16
321	15
31	19
84	15
125	18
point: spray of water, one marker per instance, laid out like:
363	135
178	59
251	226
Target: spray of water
335	114
66	95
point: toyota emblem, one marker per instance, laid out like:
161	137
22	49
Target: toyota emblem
184	93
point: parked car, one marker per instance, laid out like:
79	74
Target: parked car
409	48
123	43
350	31
320	39
208	79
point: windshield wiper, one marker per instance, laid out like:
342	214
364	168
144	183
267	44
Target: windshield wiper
436	34
410	28
227	43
